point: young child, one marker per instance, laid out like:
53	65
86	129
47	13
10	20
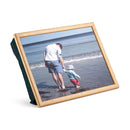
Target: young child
72	75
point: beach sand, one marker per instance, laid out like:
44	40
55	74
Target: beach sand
93	73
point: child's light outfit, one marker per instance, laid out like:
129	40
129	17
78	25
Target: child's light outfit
72	76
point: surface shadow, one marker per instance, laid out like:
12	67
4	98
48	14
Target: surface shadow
25	103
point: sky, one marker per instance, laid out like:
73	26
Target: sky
49	36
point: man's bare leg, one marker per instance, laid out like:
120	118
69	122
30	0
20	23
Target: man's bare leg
56	80
61	80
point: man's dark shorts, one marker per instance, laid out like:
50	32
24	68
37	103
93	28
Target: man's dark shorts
54	66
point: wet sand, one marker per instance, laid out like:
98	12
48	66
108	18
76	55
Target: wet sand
93	73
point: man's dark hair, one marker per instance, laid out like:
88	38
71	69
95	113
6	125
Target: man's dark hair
59	45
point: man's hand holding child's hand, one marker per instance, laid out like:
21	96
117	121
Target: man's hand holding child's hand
63	67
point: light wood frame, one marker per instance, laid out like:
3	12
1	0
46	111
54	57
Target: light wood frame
41	103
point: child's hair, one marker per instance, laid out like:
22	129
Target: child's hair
70	67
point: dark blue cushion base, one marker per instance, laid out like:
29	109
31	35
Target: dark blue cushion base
16	52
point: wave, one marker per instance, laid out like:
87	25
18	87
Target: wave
76	58
85	58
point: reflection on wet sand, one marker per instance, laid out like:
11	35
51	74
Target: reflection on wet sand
46	95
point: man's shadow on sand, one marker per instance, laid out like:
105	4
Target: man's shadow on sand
47	94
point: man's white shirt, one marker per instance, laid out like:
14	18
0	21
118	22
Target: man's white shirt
52	52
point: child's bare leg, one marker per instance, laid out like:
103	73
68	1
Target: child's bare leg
77	86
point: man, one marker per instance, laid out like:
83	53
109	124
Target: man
54	62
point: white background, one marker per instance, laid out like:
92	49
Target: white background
105	111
